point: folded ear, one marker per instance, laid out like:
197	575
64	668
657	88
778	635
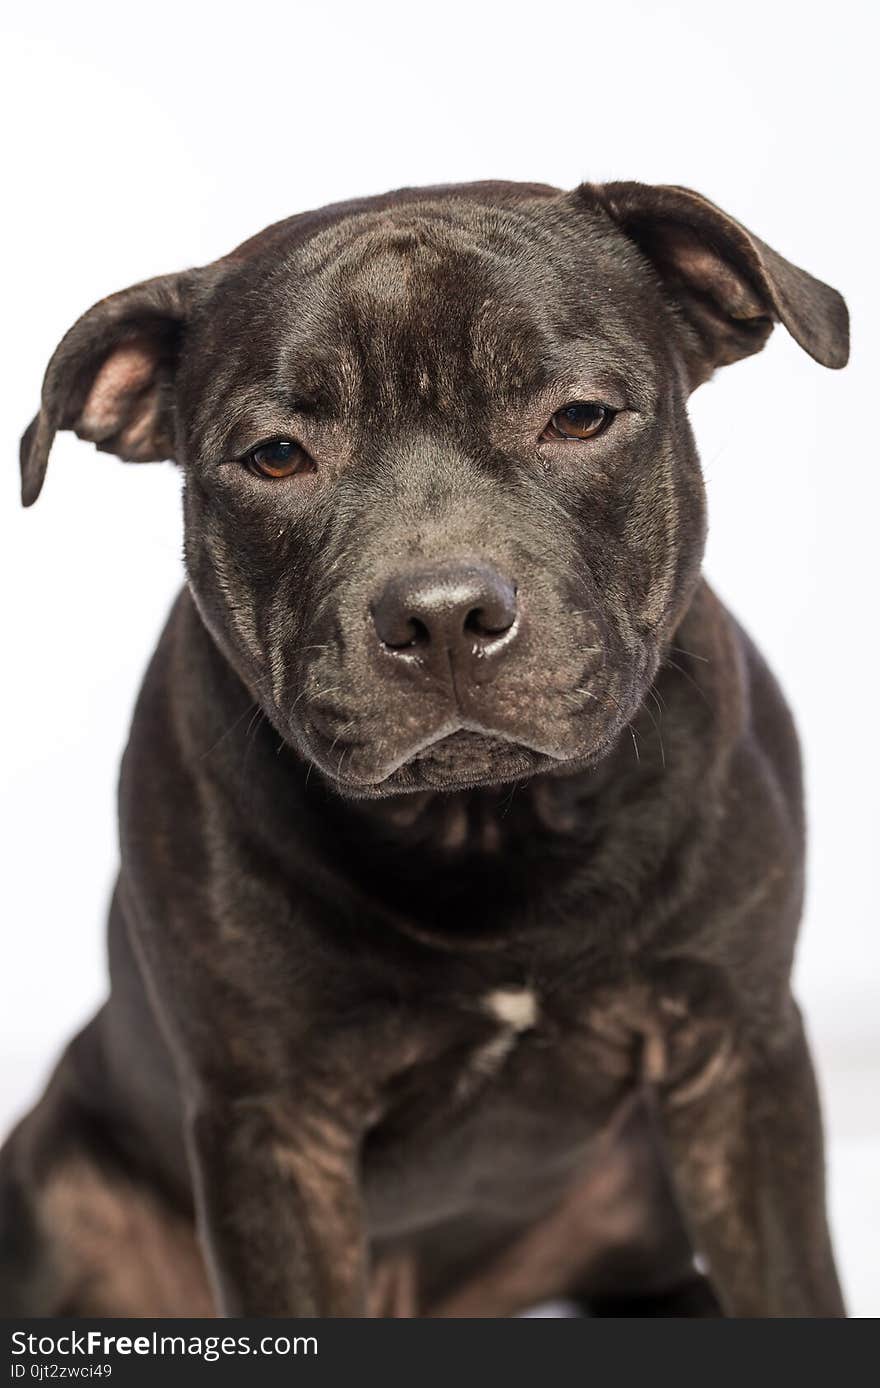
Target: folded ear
111	378
730	286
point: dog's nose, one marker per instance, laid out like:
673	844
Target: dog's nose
459	609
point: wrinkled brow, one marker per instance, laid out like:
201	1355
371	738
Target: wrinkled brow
628	373
331	392
350	369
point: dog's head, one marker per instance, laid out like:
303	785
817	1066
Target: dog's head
443	508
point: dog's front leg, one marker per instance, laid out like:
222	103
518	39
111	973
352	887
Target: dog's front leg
744	1138
278	1208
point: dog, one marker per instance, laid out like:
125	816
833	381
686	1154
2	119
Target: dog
461	825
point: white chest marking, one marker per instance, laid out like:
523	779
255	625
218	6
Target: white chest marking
516	1010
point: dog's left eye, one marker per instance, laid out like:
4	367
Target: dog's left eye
582	419
279	458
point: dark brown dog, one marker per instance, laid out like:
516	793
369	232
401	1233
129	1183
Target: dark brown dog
461	825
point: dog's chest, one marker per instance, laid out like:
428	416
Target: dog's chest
523	1085
521	1042
513	1092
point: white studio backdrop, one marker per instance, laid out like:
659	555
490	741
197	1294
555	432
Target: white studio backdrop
141	140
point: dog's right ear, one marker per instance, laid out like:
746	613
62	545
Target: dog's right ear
728	286
111	378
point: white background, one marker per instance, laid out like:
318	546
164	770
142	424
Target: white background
140	139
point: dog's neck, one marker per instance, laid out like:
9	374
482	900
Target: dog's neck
477	820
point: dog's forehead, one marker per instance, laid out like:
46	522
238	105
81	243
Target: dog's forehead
432	303
411	302
422	303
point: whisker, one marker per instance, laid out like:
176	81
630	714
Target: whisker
341	733
632	733
658	698
680	650
656	724
230	729
690	679
331	689
256	719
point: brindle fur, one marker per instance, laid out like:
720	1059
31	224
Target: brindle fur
439	991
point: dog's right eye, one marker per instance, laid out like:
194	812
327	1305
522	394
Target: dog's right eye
582	419
279	458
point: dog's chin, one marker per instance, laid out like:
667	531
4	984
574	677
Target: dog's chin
461	760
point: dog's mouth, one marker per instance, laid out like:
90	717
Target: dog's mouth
457	759
458	751
470	755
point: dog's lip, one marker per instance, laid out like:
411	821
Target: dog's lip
446	734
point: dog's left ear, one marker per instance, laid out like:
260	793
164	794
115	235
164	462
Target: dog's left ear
111	378
730	286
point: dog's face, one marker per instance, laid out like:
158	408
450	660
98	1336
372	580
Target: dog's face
443	508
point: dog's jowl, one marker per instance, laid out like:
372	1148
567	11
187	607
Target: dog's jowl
461	826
